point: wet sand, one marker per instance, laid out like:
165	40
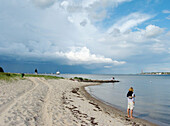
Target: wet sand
41	102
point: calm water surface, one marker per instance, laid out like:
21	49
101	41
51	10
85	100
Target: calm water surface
152	94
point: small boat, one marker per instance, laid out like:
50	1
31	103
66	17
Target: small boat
58	73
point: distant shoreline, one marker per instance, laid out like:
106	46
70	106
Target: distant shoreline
155	73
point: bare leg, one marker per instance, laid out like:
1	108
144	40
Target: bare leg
128	113
131	114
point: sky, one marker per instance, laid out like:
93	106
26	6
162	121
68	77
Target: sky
85	36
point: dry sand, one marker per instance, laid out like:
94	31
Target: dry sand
40	102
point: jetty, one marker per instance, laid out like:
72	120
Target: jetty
80	79
101	81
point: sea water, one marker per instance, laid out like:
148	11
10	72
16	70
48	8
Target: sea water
152	92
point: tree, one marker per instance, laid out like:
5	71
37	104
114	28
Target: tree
36	71
1	70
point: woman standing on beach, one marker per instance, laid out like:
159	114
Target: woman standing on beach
131	102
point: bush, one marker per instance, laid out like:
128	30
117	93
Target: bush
78	78
1	70
86	79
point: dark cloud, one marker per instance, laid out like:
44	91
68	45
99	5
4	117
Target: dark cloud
83	23
43	3
15	66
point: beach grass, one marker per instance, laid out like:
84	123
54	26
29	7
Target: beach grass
45	76
9	76
16	76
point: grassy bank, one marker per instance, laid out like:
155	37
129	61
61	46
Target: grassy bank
16	76
9	76
45	76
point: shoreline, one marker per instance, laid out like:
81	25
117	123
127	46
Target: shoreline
113	110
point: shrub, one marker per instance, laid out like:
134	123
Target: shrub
86	79
1	70
78	78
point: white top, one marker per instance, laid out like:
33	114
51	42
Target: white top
132	99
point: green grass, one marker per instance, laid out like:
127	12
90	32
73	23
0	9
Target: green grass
16	76
9	76
45	76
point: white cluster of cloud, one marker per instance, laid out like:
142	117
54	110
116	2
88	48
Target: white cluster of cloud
107	66
167	12
140	41
130	21
152	31
92	10
82	55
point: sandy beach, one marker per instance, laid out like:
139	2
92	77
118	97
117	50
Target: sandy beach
39	102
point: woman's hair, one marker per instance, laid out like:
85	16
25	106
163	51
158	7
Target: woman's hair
131	89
